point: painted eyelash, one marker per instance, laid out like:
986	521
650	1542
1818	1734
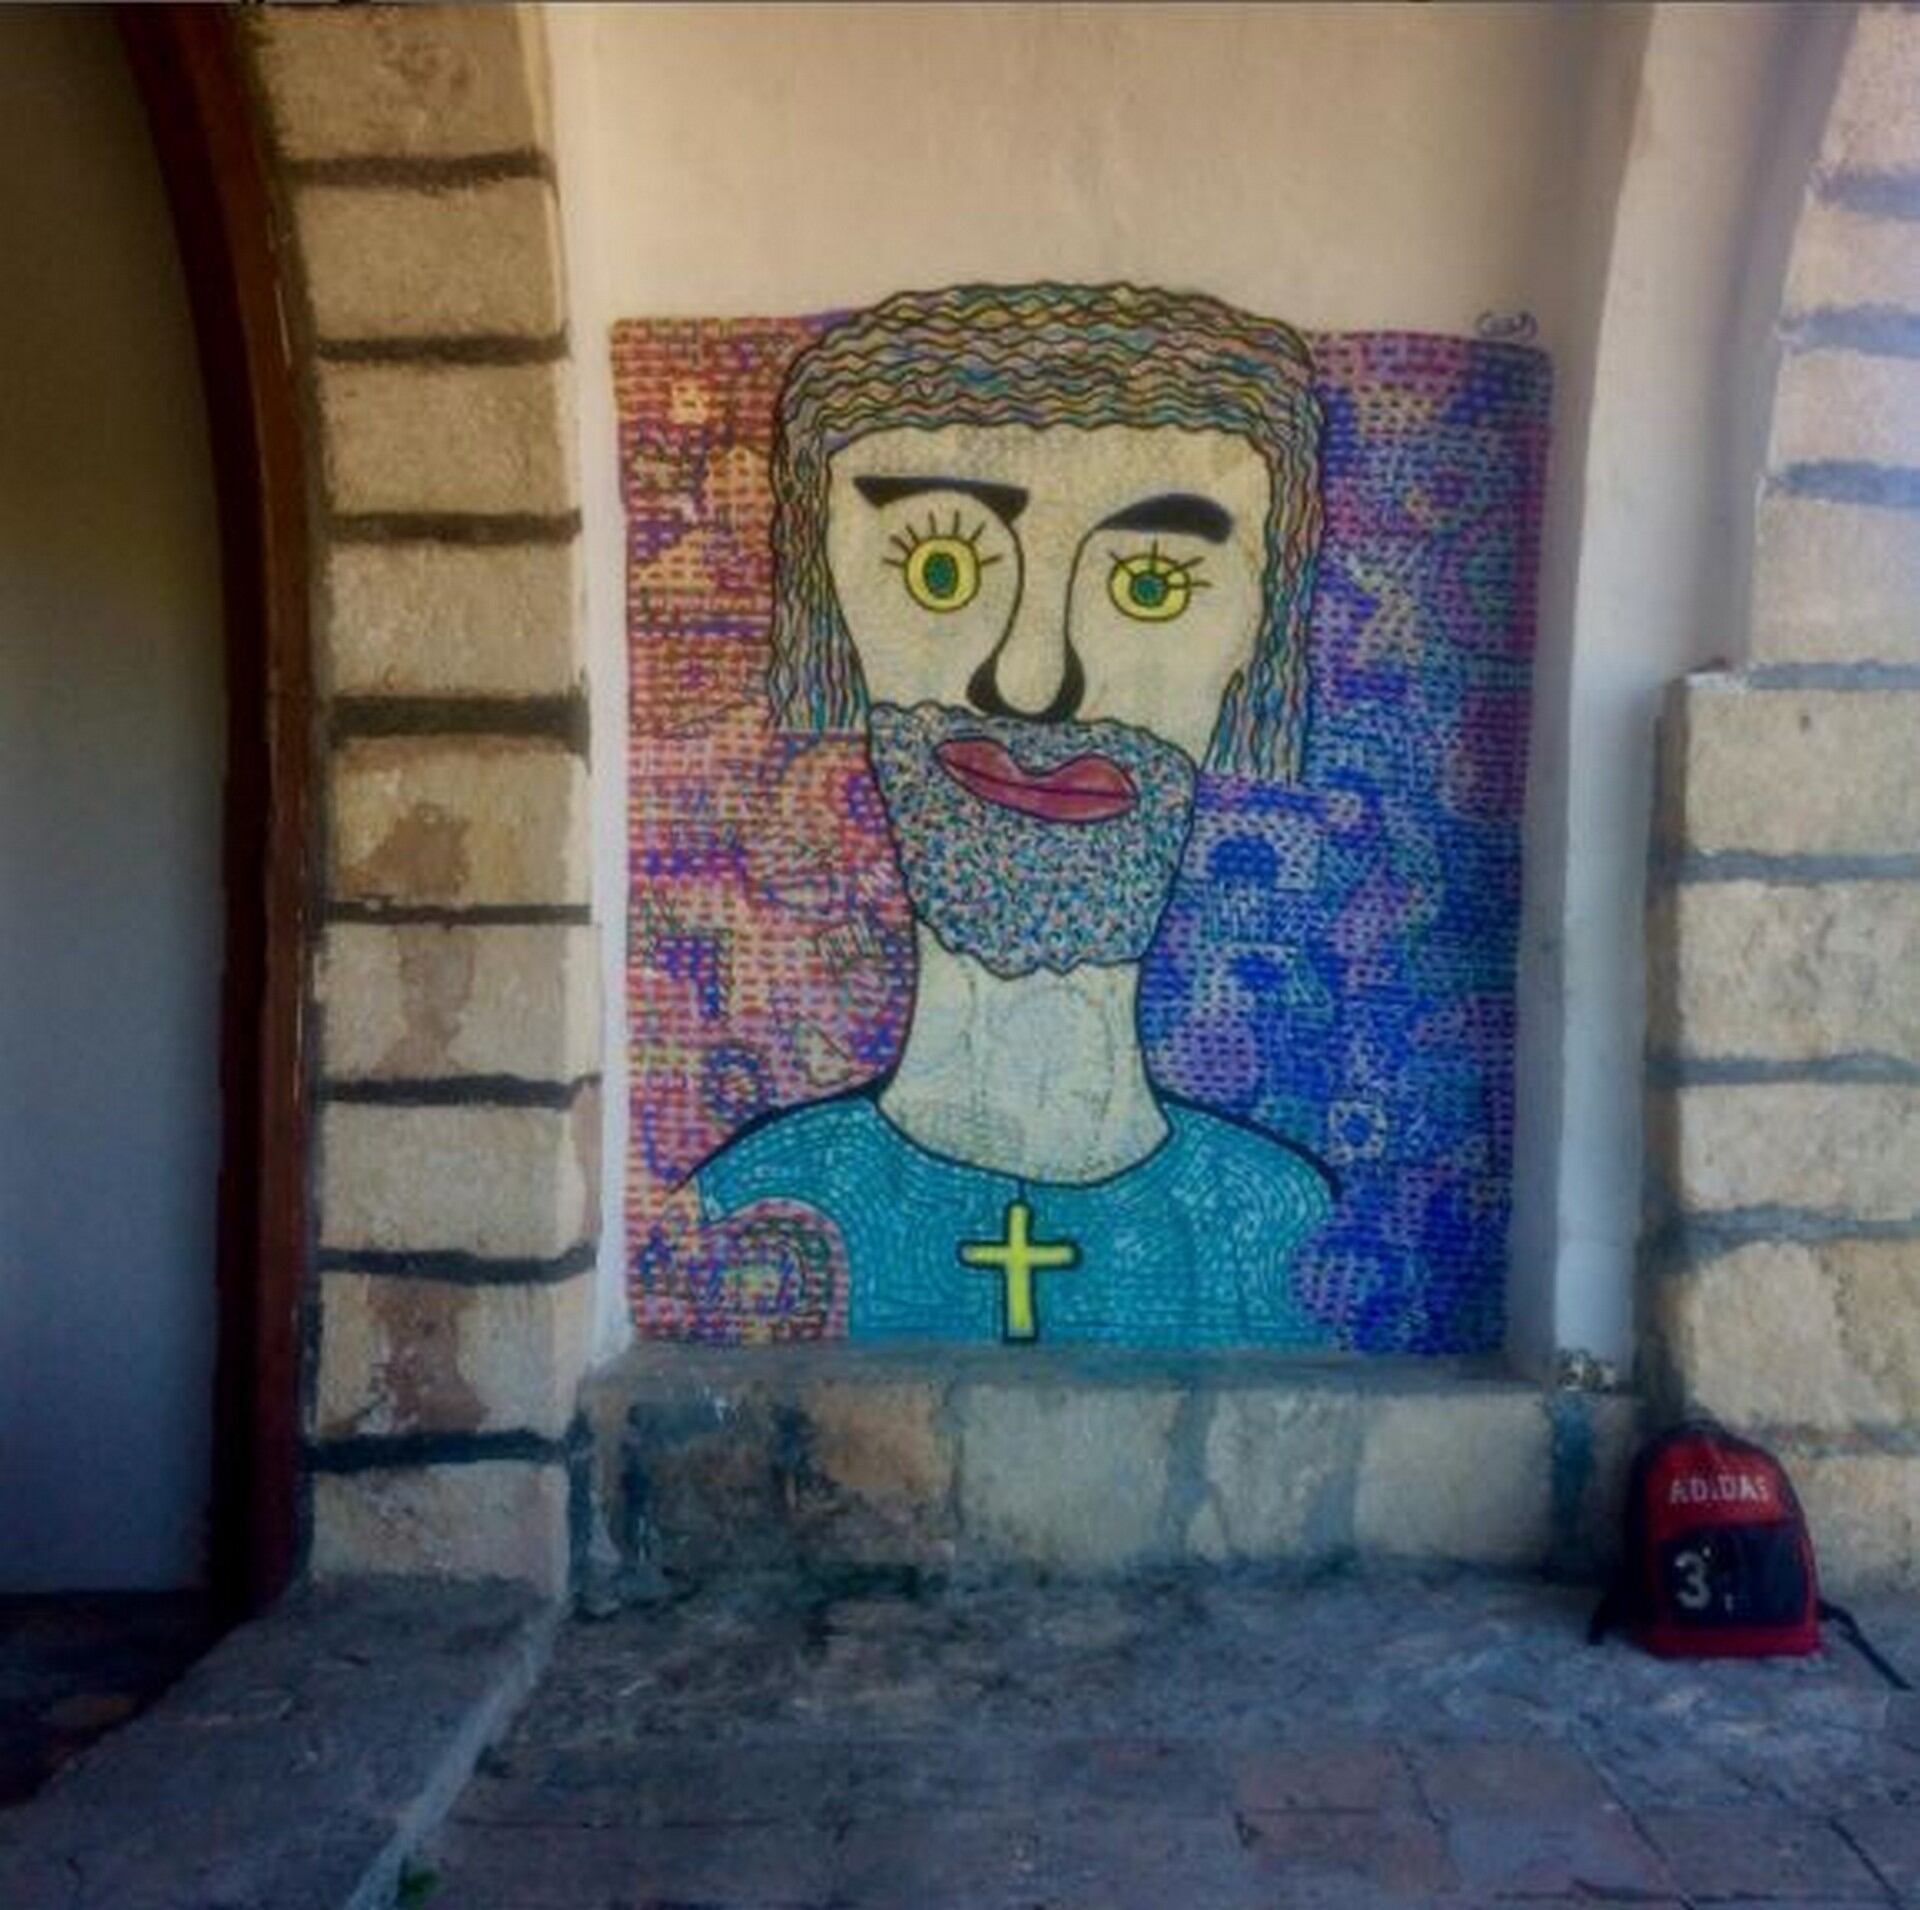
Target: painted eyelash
907	542
1183	569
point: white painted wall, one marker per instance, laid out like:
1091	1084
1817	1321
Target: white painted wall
1379	166
1648	579
111	743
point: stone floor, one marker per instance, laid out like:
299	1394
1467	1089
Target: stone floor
1183	1745
73	1667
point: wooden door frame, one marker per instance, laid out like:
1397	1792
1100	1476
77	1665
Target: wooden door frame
191	76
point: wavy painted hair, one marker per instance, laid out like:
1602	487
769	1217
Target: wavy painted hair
1035	355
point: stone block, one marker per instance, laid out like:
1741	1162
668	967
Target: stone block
1874	122
1790	772
433	1000
432	262
1864	1511
407	1355
1280	1470
1787	972
1068	1479
463	821
1849	1149
1847	259
1835	583
1468	1479
427	82
488	1519
508	1183
884	1447
412	438
1847	406
1793	1333
453	619
720	1470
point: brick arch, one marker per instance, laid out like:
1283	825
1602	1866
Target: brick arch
1784	1264
456	1023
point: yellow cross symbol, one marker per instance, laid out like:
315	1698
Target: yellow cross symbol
1017	1258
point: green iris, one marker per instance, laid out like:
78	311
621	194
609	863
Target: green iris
941	574
1148	591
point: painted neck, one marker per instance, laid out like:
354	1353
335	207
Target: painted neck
1039	1076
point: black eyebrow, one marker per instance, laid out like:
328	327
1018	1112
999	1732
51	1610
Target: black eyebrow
1179	512
1005	501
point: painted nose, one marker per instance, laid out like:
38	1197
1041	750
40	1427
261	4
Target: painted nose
1033	673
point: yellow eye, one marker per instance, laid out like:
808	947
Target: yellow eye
941	568
1152	588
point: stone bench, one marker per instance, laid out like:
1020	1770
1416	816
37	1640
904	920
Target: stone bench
1084	1462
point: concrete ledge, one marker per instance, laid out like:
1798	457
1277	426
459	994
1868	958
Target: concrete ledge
1086	1463
296	1766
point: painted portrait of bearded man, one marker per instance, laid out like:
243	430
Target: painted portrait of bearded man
1052	547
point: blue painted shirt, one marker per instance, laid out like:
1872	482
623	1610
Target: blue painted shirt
1192	1247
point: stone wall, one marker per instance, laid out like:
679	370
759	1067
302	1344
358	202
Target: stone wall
457	1022
1784	936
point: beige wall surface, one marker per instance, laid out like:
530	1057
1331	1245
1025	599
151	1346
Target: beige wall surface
111	745
1333	166
1342	167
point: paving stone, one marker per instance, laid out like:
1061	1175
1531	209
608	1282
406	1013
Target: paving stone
1760	1852
1578	1854
671	1868
1462	1780
1189	1743
1888	1836
1323	1777
1349	1857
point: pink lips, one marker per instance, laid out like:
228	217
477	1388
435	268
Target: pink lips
1085	789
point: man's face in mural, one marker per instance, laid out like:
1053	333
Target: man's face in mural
1046	621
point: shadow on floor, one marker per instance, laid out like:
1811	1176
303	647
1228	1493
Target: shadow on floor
74	1666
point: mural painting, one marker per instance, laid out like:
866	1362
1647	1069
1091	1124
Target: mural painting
1077	744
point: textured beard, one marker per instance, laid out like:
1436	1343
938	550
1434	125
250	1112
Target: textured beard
1013	891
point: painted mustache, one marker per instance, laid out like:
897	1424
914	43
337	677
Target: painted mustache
1086	788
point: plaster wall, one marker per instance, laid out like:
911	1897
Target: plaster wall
1391	166
1650	543
111	744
